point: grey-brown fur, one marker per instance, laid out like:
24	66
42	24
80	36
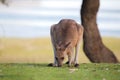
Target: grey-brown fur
65	36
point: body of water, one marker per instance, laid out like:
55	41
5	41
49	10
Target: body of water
35	21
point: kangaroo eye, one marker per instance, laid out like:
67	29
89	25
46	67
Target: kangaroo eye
56	58
62	58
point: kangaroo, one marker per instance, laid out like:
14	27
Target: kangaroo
65	37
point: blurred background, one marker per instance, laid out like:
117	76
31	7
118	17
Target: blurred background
25	27
33	18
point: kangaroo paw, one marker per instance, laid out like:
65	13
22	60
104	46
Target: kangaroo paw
76	65
50	64
67	62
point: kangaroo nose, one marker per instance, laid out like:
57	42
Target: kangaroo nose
59	65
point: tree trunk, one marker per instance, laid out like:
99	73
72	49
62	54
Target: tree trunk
4	2
94	48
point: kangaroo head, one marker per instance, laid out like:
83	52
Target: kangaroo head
61	52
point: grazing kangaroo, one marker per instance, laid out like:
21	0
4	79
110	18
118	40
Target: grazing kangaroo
65	36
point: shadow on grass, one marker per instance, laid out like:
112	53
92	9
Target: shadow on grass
27	64
101	66
36	65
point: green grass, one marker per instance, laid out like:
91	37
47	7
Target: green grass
27	59
42	72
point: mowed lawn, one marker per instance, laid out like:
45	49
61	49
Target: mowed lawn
87	71
27	59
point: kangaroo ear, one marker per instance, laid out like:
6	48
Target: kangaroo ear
57	47
66	45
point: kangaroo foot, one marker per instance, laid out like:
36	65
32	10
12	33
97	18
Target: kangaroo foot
76	65
50	64
67	62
